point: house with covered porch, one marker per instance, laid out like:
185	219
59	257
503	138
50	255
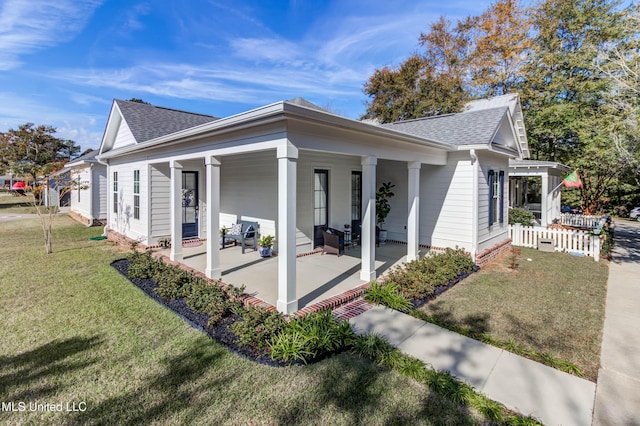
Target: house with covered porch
296	169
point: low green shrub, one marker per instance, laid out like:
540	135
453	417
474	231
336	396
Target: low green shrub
419	278
522	216
258	326
387	294
141	264
171	281
607	242
313	334
207	298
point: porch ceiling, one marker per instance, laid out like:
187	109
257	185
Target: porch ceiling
318	276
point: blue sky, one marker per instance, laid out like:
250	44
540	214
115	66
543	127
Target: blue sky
62	62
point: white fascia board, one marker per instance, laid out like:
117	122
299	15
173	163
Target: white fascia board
483	147
111	128
261	115
350	124
272	113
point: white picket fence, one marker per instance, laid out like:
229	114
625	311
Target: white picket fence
565	240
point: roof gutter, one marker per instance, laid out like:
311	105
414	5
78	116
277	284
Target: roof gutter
270	114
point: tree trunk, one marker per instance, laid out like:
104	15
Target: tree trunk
47	239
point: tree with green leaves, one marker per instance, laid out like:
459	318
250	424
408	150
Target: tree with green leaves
477	57
31	152
34	153
423	85
619	63
501	43
564	93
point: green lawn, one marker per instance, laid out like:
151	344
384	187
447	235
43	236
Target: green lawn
74	330
16	205
552	303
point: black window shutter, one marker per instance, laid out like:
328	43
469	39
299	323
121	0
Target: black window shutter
491	212
501	199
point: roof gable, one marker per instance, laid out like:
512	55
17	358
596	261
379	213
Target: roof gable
89	157
148	122
511	101
132	123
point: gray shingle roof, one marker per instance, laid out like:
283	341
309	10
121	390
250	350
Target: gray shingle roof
468	128
305	103
148	122
86	157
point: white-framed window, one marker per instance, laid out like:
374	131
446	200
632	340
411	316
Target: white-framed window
496	196
115	192
136	194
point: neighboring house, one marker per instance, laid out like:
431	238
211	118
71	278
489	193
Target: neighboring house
296	168
544	202
54	194
88	200
6	181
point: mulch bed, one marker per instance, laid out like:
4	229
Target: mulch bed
221	332
418	303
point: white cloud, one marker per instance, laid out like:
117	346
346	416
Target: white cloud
273	50
221	83
85	129
30	25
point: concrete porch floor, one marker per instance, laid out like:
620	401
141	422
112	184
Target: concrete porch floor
318	276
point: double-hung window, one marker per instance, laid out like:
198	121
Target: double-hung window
115	192
136	194
496	197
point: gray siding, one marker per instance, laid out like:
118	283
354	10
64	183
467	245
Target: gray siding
160	200
99	191
445	201
490	235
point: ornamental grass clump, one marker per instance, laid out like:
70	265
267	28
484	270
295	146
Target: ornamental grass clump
387	294
310	337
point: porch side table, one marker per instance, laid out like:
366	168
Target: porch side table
347	238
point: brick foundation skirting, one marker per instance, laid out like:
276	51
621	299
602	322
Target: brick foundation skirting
333	303
488	255
85	220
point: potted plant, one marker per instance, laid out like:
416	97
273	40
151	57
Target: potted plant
383	208
265	245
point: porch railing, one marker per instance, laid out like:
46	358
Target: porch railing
582	221
564	240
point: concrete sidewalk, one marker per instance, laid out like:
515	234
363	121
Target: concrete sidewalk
520	384
618	391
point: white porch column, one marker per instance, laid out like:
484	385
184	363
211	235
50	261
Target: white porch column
544	215
413	219
212	166
176	211
286	232
368	270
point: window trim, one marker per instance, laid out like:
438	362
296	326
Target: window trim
496	196
115	192
136	194
358	196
